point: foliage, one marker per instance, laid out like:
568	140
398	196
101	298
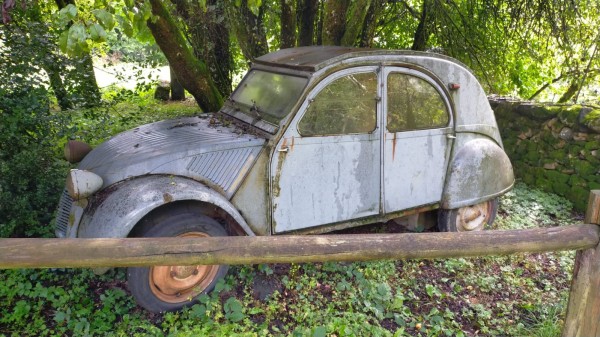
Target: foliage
32	170
28	168
517	295
531	49
528	208
31	38
120	48
123	109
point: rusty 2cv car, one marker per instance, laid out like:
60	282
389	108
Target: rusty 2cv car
314	139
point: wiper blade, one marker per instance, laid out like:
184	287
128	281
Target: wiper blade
255	109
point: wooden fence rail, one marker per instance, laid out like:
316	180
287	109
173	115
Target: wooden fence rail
60	253
583	312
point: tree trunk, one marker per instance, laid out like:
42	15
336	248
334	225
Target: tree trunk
58	87
356	19
177	91
320	20
86	81
208	34
52	66
249	29
370	24
307	12
571	91
334	24
288	24
192	73
422	33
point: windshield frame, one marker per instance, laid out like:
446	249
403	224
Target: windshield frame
242	111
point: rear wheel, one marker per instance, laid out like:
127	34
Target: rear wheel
468	218
169	288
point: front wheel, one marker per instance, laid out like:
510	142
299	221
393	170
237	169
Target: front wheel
169	288
468	218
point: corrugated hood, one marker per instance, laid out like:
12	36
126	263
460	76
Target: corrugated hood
197	147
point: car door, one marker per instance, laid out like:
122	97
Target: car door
418	132
327	166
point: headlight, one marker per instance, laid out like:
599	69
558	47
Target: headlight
75	151
81	184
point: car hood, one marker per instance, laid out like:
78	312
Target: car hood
197	147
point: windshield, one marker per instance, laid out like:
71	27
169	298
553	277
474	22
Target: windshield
268	96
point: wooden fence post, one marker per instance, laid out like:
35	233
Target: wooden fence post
583	311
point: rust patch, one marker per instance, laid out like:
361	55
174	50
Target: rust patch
167	198
284	144
292	146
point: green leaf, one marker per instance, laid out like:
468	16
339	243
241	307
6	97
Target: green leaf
76	42
429	289
126	26
198	311
105	18
66	15
233	310
319	331
70	11
60	316
97	33
62	41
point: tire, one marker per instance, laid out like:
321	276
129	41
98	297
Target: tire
170	288
468	218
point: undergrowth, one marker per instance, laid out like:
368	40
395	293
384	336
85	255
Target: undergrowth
516	295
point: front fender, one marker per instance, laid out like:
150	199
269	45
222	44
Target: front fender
117	210
480	171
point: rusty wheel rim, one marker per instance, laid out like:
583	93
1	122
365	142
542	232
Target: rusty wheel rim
473	218
175	284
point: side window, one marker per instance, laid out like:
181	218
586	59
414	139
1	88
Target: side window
345	106
413	103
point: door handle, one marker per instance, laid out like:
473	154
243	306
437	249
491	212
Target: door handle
449	136
283	149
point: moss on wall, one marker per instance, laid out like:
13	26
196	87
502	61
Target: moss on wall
553	147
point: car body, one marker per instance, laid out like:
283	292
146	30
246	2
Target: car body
314	139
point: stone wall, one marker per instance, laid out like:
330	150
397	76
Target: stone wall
553	147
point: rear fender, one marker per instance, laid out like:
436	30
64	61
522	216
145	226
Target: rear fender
480	171
114	212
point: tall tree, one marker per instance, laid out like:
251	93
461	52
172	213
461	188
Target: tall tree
192	73
208	33
422	32
334	24
288	23
247	23
87	84
307	14
522	47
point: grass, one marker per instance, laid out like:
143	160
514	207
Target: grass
516	295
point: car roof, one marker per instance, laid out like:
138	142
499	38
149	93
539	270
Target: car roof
314	58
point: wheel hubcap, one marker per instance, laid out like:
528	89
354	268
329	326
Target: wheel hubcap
174	284
473	218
